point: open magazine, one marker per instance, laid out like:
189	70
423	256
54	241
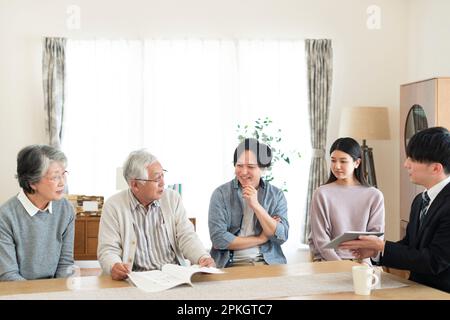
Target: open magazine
347	236
170	275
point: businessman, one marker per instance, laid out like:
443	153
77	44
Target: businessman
425	250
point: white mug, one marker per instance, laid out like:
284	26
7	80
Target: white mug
364	279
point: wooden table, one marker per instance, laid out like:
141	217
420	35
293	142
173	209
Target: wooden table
412	291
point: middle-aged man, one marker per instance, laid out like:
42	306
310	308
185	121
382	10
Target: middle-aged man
425	250
247	215
146	226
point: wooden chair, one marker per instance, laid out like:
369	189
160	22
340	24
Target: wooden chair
193	220
178	187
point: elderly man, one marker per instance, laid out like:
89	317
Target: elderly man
146	227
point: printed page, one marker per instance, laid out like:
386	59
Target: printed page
185	273
205	269
179	272
155	280
170	276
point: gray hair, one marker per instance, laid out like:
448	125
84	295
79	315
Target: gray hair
135	167
33	162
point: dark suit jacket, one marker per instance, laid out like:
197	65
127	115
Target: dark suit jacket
425	251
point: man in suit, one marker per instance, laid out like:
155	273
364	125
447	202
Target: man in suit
425	250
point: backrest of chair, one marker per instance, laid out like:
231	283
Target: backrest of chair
177	187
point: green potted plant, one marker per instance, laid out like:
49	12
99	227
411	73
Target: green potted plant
263	130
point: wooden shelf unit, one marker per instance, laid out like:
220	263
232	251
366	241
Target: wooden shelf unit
86	237
433	95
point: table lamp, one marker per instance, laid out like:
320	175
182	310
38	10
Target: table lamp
366	123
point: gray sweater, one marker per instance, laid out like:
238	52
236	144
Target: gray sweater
36	247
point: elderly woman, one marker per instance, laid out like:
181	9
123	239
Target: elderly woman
248	216
37	225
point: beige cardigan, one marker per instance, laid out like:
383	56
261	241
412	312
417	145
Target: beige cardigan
117	239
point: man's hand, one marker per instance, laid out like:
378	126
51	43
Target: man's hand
120	271
262	237
206	261
367	245
250	195
364	253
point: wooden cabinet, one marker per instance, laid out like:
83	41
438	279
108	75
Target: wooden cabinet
431	98
86	237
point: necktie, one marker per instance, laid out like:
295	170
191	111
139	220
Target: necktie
424	208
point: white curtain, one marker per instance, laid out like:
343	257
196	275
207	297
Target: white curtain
182	100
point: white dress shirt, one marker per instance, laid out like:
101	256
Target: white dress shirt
29	206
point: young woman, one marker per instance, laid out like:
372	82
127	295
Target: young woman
344	203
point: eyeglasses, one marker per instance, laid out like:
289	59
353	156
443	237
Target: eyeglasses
58	178
157	179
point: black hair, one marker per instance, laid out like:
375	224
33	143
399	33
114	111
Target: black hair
352	148
262	152
430	145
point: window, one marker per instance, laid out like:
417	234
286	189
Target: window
182	100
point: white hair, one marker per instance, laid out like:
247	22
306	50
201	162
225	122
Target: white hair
135	167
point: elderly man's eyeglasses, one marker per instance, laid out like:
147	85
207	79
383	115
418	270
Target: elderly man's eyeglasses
157	178
58	177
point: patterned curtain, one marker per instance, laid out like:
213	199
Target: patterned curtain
54	80
319	55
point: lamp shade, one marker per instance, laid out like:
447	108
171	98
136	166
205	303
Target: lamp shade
369	123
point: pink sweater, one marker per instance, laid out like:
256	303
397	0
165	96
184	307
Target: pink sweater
336	209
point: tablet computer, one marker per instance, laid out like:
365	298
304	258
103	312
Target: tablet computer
347	236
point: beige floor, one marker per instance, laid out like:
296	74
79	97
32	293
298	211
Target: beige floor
88	267
86	272
297	255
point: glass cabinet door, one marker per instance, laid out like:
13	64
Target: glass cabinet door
415	122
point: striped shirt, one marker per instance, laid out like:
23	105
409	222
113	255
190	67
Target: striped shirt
153	246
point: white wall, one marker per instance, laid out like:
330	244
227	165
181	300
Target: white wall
429	39
369	65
